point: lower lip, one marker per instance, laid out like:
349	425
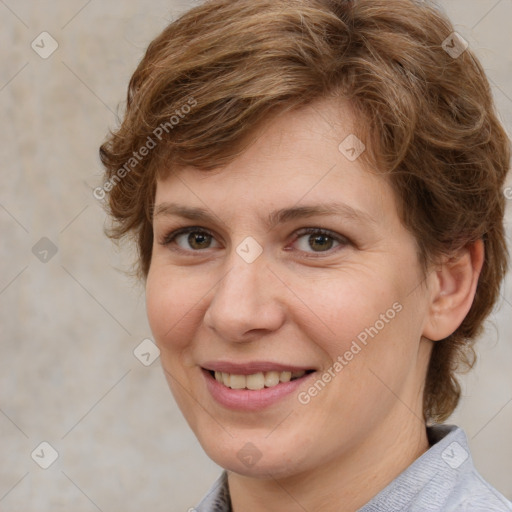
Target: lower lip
248	399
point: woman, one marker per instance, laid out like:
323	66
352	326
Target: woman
316	192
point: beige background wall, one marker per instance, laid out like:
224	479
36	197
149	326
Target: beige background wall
69	325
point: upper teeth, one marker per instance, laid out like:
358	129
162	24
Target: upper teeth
256	380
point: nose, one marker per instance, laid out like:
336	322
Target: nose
246	303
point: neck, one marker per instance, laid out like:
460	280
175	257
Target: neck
348	481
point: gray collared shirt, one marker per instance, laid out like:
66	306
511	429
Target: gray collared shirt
442	479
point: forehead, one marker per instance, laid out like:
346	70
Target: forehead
302	157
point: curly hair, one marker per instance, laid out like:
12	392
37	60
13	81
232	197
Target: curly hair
221	70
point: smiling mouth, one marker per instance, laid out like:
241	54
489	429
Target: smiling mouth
257	381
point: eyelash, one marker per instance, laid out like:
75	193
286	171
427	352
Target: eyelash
169	238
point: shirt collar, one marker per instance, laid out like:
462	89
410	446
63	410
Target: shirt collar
429	480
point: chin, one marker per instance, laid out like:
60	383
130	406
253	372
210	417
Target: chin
255	456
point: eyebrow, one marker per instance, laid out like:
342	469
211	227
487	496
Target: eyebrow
274	218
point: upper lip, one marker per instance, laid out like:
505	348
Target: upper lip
251	367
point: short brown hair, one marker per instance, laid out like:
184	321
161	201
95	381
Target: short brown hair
213	76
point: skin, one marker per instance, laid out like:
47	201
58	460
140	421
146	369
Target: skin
301	305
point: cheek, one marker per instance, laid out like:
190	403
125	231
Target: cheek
362	322
343	307
368	339
172	309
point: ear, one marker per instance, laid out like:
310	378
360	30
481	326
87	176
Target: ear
453	286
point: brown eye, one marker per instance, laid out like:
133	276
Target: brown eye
190	239
198	240
320	242
316	240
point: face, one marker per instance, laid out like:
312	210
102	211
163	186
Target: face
298	282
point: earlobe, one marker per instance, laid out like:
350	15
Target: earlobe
454	284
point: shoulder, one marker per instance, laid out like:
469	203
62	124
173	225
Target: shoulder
474	494
442	479
470	492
